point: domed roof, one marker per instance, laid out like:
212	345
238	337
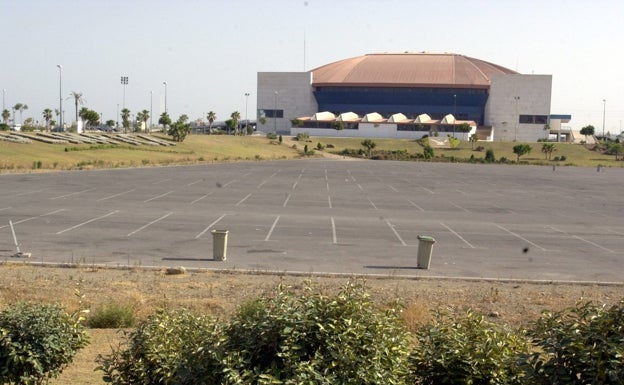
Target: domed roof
408	70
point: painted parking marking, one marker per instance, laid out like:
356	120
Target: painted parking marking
261	184
461	192
243	200
327	186
351	176
373	204
202	197
615	232
72	194
197	181
27	193
427	190
5	208
393	189
148	224
415	205
228	183
519	237
272	228
458	206
158	196
210	226
458	236
582	239
334	237
87	222
396	233
114	195
286	201
35	217
329	201
295	184
360	187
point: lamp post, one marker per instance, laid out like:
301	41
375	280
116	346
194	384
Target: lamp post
454	113
246	120
604	110
165	83
516	98
60	67
117	125
151	100
124	82
275	114
3	96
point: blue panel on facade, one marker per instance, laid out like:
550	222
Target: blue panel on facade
465	104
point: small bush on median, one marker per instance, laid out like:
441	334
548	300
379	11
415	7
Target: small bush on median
112	315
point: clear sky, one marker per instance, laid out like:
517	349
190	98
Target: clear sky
209	51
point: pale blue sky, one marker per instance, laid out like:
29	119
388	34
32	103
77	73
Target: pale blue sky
209	51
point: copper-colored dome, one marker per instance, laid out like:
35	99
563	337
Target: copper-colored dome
408	70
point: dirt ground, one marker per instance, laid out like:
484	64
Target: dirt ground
219	293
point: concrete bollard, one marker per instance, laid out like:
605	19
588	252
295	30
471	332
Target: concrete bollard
219	244
425	246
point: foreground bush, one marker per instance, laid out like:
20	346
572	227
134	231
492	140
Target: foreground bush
37	342
583	345
466	349
285	339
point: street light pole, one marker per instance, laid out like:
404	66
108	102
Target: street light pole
60	67
275	114
124	82
246	120
604	110
3	96
165	83
151	100
454	113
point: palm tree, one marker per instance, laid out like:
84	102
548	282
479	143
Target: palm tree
235	118
47	116
211	118
143	116
20	107
125	119
473	139
6	115
78	99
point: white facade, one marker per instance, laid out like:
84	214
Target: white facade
290	92
511	96
374	130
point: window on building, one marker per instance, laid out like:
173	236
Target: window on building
271	113
533	119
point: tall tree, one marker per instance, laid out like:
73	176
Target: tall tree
6	115
19	107
587	131
83	115
143	116
473	139
125	119
47	116
90	117
548	149
521	149
78	99
211	118
165	120
180	129
235	119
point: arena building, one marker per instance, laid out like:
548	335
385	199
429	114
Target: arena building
407	95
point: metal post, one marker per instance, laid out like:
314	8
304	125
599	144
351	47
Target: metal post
151	100
3	96
454	113
165	83
60	67
275	115
246	120
604	110
124	82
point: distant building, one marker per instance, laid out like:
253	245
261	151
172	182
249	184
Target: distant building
407	95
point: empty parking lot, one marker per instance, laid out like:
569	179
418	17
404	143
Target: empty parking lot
492	221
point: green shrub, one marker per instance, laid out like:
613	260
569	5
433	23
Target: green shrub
271	135
303	136
314	338
37	342
489	156
112	315
160	349
466	349
428	152
582	345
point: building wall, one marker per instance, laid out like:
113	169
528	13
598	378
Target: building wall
373	130
512	96
294	96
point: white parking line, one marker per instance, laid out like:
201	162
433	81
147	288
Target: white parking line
243	200
115	195
209	226
459	207
335	239
272	228
31	218
461	192
393	189
329	201
371	202
520	237
427	190
149	224
582	239
615	232
197	181
415	205
202	197
396	233
227	184
87	222
286	201
261	184
327	186
6	208
458	236
295	184
360	187
158	196
27	193
72	194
